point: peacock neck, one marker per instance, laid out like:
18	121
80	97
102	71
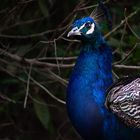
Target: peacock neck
93	65
96	58
95	41
88	83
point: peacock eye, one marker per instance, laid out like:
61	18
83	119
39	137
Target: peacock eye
88	25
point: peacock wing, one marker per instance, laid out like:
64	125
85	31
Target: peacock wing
123	99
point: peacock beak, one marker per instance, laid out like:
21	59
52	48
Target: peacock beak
74	32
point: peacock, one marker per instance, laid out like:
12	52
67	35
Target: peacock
98	108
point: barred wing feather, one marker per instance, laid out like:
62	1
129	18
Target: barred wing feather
123	99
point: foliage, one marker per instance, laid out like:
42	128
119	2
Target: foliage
36	60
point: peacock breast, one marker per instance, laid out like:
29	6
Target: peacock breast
86	96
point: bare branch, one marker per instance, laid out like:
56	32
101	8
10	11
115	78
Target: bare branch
127	67
91	6
58	58
28	85
34	61
32	35
122	22
55	53
57	77
47	91
23	23
4	97
134	33
127	55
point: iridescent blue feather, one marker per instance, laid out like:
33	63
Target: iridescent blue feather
86	92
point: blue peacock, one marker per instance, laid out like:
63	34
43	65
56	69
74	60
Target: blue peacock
98	114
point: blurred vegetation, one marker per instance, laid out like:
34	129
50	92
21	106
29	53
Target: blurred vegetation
36	59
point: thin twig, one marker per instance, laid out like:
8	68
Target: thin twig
26	1
34	61
122	38
71	13
55	53
4	97
33	35
47	91
23	23
11	74
127	67
122	22
127	55
115	74
59	135
6	48
58	58
57	77
28	85
44	104
70	40
91	6
134	33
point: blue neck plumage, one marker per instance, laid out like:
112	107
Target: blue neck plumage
96	57
88	83
94	40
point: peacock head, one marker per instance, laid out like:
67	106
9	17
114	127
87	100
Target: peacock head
85	29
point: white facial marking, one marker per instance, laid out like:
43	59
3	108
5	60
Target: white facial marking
91	30
81	27
75	31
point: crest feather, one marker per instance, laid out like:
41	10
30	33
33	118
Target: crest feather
101	13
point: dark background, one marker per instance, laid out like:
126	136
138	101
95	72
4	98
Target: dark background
36	59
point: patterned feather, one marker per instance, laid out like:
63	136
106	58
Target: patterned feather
123	99
86	92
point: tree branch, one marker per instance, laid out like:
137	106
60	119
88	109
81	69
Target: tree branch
47	91
122	22
34	61
28	85
127	67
